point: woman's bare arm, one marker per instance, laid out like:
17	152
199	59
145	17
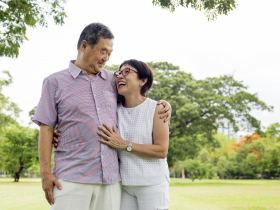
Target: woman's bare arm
160	135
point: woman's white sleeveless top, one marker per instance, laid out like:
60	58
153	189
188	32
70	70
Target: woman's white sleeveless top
136	126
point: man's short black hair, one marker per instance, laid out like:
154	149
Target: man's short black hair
93	32
144	71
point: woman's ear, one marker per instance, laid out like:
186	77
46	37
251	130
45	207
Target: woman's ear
143	82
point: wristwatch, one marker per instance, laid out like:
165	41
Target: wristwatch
129	147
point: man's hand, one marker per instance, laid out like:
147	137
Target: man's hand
55	139
166	111
48	181
45	152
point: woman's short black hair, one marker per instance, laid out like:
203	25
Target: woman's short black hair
144	72
93	32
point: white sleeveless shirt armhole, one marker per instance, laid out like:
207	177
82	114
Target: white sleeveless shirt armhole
136	125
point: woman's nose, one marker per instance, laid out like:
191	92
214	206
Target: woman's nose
120	76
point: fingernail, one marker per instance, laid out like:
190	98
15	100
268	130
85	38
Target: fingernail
60	188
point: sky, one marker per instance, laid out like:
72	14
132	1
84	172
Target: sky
245	43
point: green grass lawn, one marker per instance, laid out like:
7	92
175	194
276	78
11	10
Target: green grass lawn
184	194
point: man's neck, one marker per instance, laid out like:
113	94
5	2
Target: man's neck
80	65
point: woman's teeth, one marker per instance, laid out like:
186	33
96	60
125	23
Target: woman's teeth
122	83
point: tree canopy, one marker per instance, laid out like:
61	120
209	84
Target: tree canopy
254	157
19	149
211	8
17	15
198	105
9	111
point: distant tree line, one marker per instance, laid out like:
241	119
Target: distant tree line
254	157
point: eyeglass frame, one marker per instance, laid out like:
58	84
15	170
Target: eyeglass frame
121	72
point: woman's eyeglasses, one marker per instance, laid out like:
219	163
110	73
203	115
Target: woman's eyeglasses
124	72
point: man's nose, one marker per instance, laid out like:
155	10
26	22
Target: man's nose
106	58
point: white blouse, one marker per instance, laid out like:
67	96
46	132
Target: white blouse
136	125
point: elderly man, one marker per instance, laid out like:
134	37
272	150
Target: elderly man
78	99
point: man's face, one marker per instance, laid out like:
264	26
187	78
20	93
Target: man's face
95	58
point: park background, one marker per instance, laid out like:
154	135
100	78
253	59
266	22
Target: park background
185	50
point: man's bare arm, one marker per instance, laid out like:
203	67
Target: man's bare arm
45	152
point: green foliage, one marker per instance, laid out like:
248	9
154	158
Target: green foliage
19	148
31	113
197	106
211	8
248	159
273	130
17	15
112	68
9	111
199	168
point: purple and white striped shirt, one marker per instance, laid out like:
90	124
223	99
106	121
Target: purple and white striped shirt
78	105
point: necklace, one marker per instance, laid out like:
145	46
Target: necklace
129	110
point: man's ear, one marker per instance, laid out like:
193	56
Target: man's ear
83	46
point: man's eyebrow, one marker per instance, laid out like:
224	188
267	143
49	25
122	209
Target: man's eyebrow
105	49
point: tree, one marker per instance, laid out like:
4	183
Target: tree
17	15
273	130
211	8
197	169
19	149
198	105
32	113
9	111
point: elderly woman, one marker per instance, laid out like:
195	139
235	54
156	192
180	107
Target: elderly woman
142	140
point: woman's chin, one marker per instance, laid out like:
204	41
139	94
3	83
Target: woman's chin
121	92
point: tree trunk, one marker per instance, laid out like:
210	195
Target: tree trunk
17	174
183	173
261	175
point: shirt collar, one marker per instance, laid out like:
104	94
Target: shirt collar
75	70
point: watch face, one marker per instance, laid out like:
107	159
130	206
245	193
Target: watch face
129	148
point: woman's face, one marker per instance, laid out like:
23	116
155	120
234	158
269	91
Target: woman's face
129	84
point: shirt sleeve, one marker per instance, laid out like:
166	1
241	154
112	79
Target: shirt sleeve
46	111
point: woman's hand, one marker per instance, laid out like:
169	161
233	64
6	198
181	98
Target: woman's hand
112	136
166	111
